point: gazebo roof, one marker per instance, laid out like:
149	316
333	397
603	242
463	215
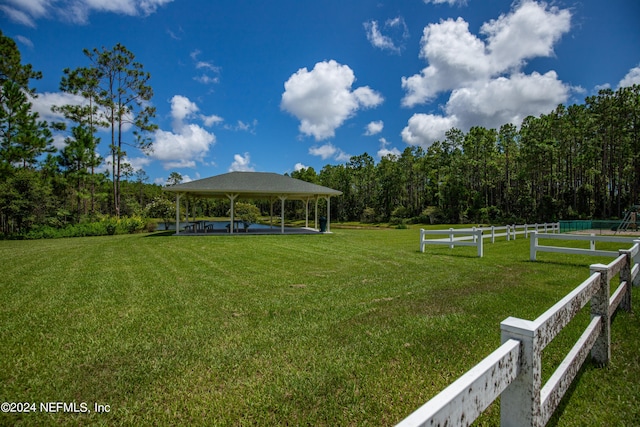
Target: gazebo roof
253	185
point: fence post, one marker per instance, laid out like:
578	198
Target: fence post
601	351
533	244
493	234
625	276
520	401
480	240
636	260
526	231
592	243
508	227
421	240
451	238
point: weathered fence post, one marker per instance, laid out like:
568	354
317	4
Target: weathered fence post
625	276
601	351
520	401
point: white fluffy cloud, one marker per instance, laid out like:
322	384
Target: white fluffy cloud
241	163
632	78
322	99
506	99
181	108
385	150
374	128
26	12
329	150
187	143
484	76
325	151
456	57
44	101
423	129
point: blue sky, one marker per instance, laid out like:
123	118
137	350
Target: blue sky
275	86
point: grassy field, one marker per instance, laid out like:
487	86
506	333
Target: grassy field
348	329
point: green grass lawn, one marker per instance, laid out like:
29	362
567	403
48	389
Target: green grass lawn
353	328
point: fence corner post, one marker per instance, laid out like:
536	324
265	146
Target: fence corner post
601	351
520	404
421	240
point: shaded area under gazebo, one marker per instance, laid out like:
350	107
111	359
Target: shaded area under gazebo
261	186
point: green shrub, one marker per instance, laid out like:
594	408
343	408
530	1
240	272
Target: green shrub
105	226
368	216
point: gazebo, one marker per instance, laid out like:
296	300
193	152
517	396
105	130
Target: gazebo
256	185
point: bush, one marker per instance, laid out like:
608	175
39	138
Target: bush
396	221
246	212
401	212
368	216
105	226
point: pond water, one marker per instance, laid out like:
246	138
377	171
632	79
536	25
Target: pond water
217	225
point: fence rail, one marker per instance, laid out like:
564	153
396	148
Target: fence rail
592	239
513	371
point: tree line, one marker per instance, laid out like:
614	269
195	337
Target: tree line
577	162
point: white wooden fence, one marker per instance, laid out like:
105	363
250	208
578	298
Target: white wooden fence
513	371
478	234
592	239
475	235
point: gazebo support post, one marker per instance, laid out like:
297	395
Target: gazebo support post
186	209
316	221
328	199
271	211
178	195
282	199
232	198
306	213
